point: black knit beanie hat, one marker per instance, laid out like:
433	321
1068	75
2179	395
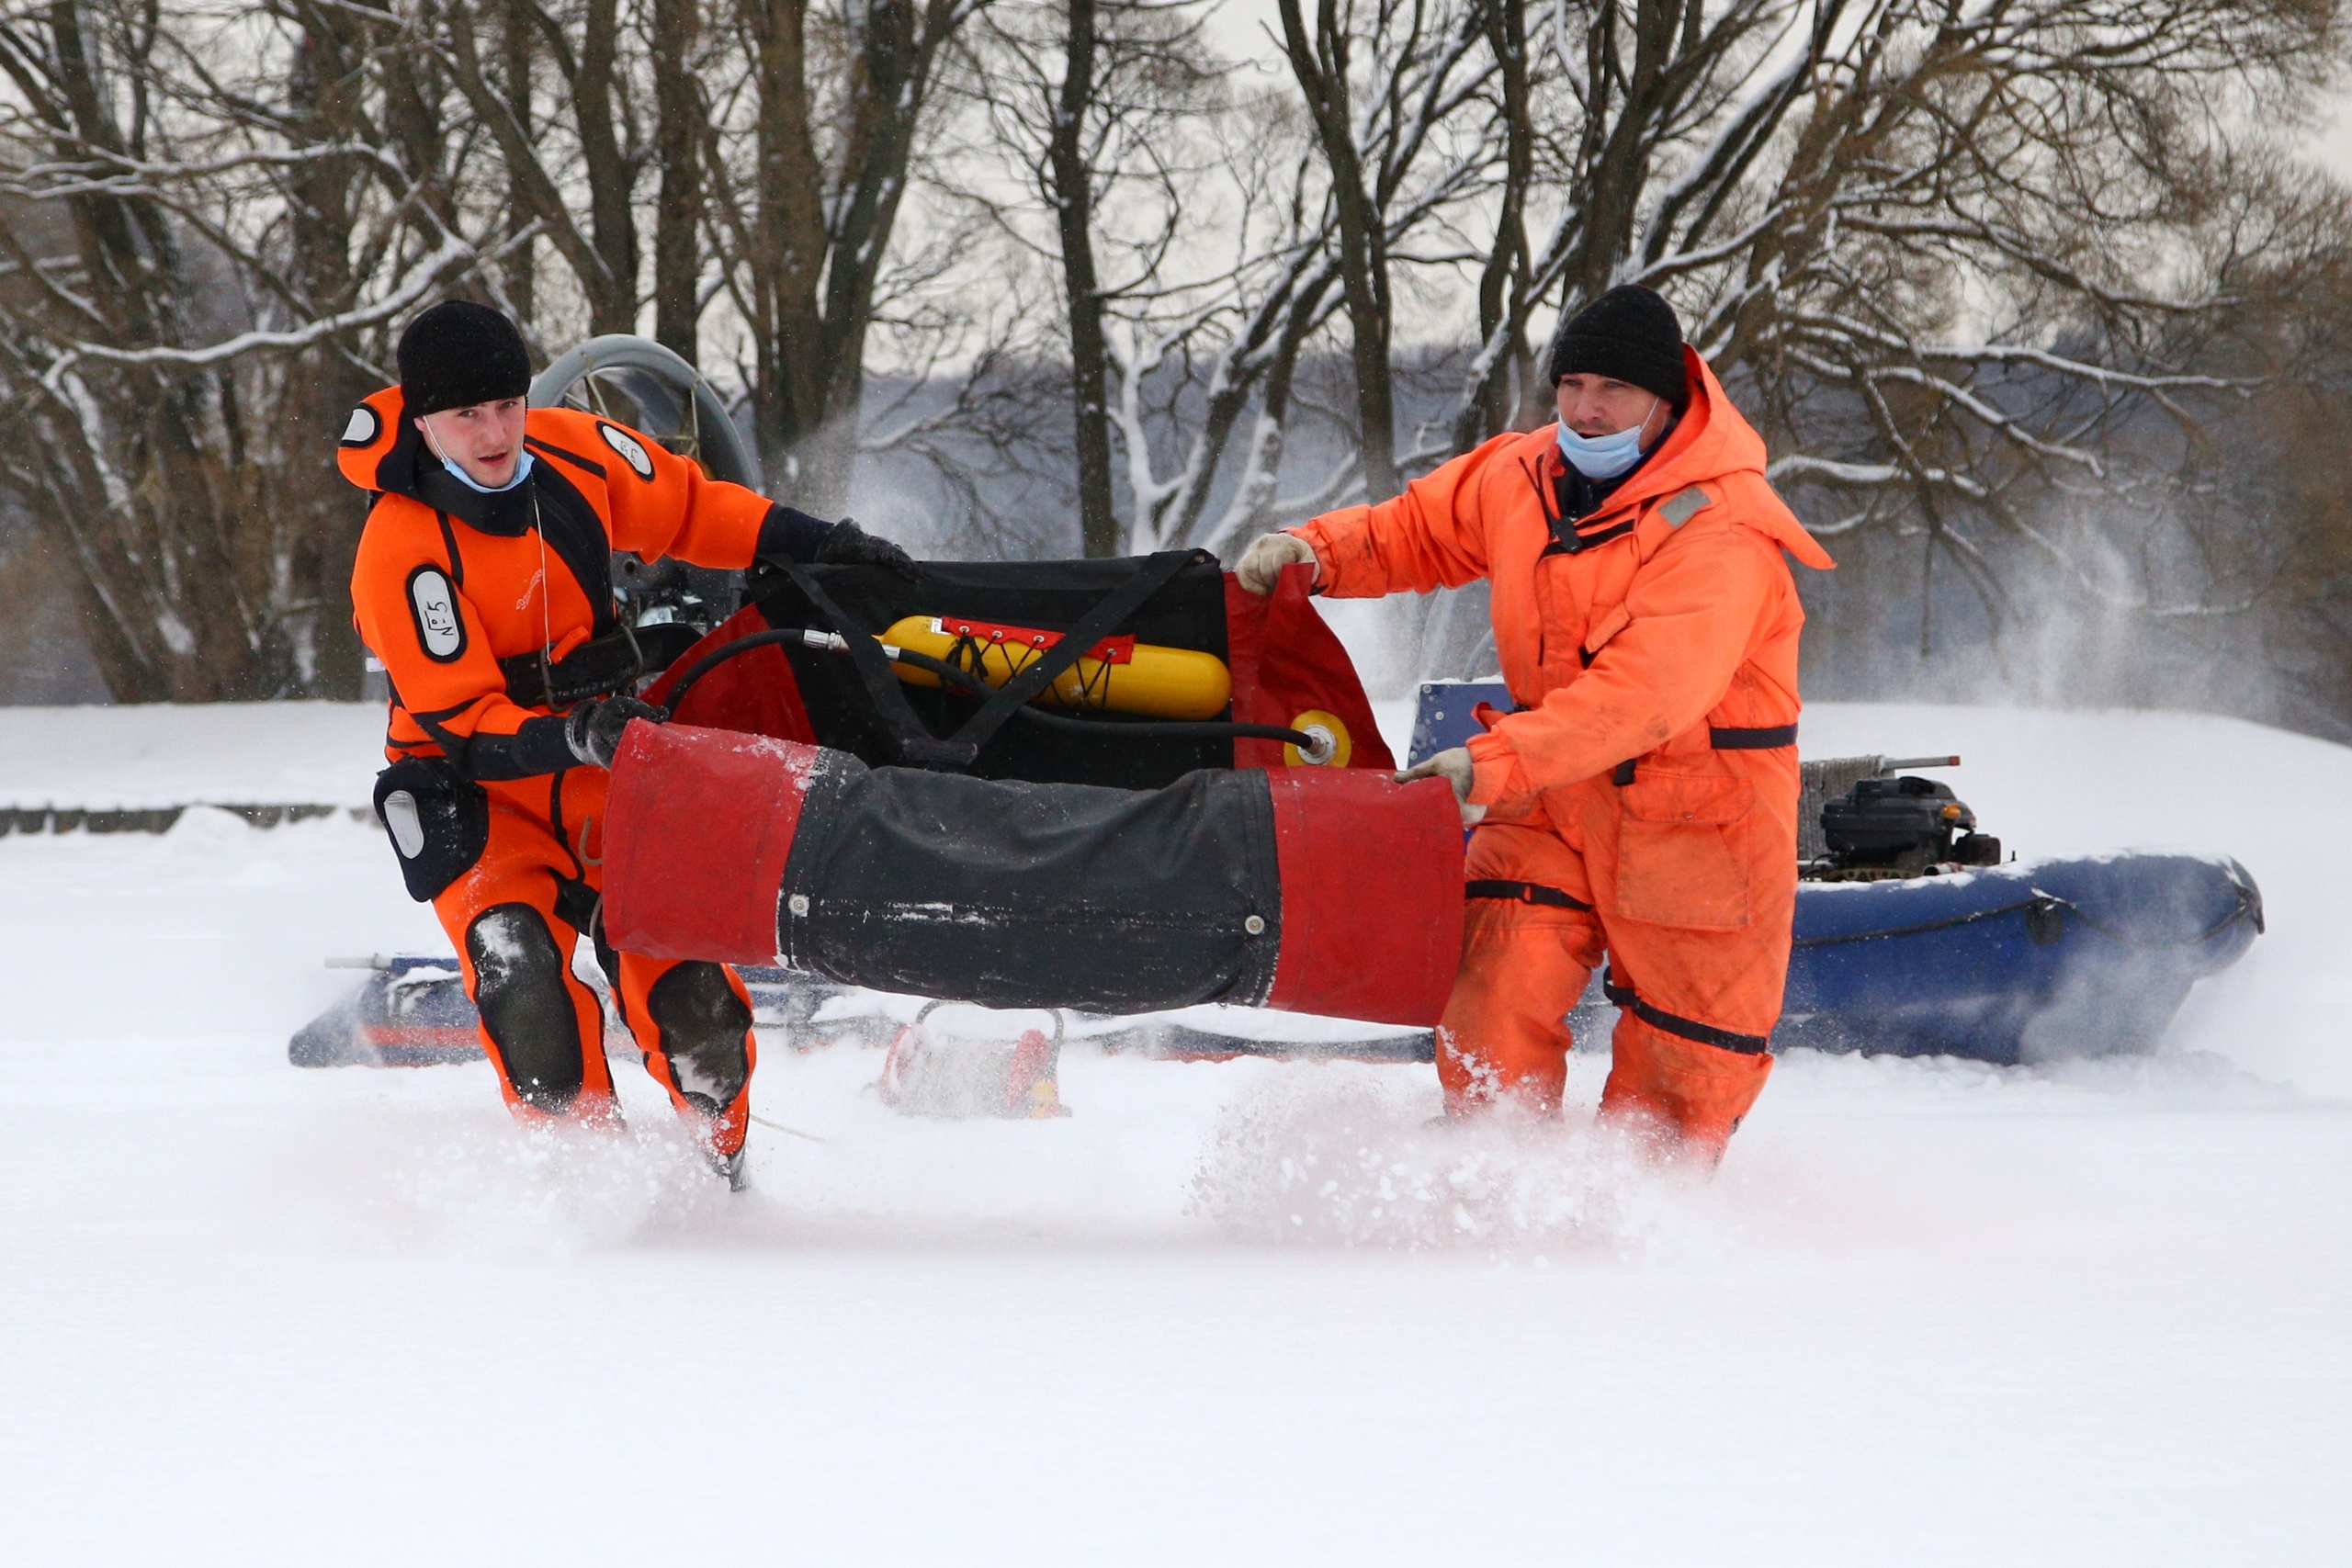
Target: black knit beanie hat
1629	334
458	353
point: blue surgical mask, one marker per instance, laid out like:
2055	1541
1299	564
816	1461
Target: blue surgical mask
1604	456
522	472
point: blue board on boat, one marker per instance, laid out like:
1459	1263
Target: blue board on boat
2084	957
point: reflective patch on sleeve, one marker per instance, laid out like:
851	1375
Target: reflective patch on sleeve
362	427
1679	508
632	450
433	605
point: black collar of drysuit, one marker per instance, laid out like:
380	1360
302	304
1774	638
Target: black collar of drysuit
545	499
410	469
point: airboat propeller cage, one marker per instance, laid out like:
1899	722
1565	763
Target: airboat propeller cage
648	367
1322	890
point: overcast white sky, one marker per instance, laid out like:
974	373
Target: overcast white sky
2332	144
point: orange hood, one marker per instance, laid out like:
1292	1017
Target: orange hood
1713	440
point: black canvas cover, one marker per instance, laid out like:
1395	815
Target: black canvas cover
1015	894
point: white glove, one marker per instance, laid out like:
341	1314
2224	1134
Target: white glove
1456	768
1262	564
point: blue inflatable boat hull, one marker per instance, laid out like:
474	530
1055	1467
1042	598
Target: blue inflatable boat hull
2015	963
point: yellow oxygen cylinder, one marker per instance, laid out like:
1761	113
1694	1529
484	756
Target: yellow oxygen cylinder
1118	674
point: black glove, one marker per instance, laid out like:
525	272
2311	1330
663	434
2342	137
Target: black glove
846	544
593	729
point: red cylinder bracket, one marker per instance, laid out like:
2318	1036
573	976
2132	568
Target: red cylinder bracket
1372	895
698	826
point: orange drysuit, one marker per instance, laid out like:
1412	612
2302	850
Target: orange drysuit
448	582
1641	803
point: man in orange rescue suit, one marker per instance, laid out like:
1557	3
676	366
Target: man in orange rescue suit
1642	802
483	584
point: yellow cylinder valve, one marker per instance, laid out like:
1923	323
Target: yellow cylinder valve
1332	745
1118	675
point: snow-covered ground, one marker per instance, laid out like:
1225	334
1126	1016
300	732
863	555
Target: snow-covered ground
107	759
1929	1313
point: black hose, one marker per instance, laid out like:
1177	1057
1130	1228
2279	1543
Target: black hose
725	651
962	679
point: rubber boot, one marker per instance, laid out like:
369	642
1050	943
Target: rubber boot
1689	1098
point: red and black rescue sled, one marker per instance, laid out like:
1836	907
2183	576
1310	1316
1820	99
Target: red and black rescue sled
1118	787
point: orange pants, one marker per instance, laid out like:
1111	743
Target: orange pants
514	919
1699	1002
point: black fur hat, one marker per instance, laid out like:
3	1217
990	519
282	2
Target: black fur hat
458	353
1630	334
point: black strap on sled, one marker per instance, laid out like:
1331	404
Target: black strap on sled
1521	893
917	746
963	680
1154	573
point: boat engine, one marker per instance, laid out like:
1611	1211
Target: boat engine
1888	828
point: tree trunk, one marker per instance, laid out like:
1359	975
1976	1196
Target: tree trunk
611	175
521	273
1074	213
821	235
321	513
1321	65
677	144
1500	399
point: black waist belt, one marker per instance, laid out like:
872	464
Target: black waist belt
598	668
1770	739
1687	1027
1523	892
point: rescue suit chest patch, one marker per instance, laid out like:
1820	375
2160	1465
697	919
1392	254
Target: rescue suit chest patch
361	428
434	606
1679	508
632	451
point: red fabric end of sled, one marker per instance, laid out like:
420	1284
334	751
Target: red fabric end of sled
755	693
1286	662
1372	895
698	826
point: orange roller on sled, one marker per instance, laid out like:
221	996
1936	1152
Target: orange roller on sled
1322	890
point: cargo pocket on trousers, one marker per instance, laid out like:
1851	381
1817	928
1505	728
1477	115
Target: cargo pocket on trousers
438	822
1683	851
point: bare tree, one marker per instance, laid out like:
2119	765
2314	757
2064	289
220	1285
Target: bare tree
1419	67
1952	251
680	119
1093	101
189	253
809	160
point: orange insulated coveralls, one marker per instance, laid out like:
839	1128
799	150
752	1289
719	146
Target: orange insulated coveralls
1642	802
449	583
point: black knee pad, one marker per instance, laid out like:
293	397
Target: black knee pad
703	1023
521	988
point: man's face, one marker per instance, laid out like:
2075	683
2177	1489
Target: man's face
486	440
1595	405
